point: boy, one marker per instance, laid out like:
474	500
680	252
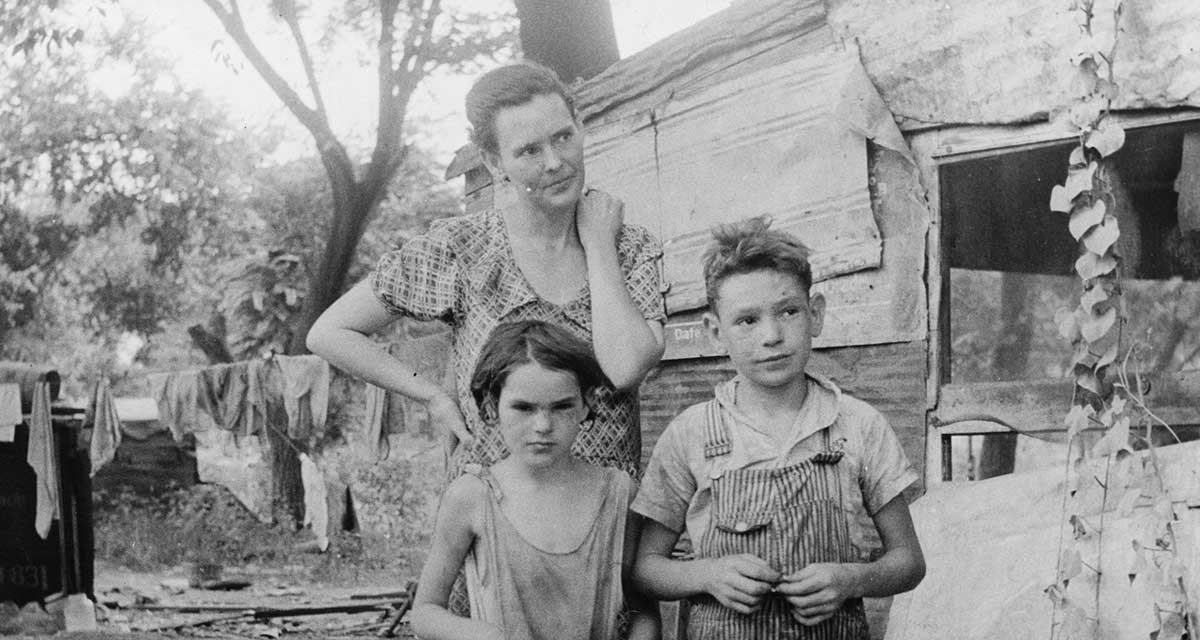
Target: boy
764	476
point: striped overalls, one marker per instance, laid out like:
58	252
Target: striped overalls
789	516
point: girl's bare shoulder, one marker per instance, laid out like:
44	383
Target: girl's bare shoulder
463	500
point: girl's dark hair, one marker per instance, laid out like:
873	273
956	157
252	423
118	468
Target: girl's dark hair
516	343
509	86
752	245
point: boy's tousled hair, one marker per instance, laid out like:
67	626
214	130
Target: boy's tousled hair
752	245
511	85
512	344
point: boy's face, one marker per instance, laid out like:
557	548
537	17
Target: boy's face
766	321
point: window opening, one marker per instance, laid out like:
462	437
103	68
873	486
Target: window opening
1009	268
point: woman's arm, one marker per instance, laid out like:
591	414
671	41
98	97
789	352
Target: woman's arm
626	344
645	621
341	336
453	534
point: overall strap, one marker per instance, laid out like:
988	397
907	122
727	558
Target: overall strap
716	435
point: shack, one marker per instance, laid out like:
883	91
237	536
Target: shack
914	144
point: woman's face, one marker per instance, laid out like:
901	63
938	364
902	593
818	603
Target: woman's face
540	149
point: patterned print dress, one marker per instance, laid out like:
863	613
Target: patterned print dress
463	272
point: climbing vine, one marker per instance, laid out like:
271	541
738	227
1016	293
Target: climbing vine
1109	393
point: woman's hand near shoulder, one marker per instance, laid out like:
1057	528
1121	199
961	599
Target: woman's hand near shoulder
599	217
459	521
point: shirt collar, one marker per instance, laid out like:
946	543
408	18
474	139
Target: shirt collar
820	408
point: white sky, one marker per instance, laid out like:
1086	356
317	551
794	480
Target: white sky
187	30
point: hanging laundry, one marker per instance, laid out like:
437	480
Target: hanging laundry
234	395
316	510
101	416
182	403
376	445
242	465
305	394
42	457
10	410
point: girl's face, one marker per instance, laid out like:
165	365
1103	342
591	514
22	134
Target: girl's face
540	149
539	414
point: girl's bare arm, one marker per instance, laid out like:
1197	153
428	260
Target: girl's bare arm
458	522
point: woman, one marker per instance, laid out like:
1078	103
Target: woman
557	253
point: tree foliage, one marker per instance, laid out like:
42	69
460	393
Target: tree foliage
109	174
410	40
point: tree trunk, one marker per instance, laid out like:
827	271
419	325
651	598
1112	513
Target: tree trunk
351	213
573	37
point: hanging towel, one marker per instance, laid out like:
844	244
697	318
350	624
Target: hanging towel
102	416
10	410
182	402
305	394
376	446
316	510
41	457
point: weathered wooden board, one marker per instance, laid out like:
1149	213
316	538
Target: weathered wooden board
620	158
1040	405
992	547
791	142
750	34
1006	61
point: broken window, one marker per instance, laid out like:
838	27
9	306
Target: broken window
1008	268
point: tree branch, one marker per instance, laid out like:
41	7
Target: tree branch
293	23
310	118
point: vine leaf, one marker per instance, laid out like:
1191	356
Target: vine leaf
1090	265
1109	356
1077	420
1078	158
1059	201
1092	297
1087	111
1106	139
1070	566
1089	381
1085	217
1133	493
1116	439
1079	180
1068	324
1170	626
1095	326
1139	564
1100	238
1078	529
1076	624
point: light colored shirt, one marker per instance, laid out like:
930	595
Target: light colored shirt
676	490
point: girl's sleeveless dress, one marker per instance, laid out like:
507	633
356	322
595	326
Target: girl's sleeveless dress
536	595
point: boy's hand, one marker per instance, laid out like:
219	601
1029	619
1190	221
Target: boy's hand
739	582
817	591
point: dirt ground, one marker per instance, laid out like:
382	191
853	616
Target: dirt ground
135	605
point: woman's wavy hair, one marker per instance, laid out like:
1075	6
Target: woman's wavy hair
511	85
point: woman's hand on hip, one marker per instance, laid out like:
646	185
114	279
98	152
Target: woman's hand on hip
598	218
445	415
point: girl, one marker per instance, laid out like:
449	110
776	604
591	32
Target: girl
544	536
